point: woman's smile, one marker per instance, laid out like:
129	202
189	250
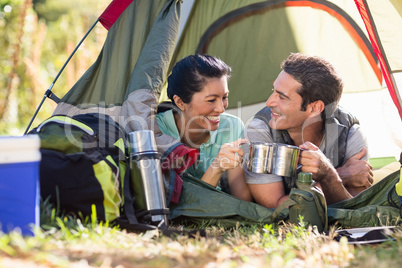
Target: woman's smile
214	119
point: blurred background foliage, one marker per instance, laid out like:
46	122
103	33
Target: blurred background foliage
36	39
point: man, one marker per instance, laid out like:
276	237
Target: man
303	111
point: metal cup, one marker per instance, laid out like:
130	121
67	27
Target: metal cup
273	158
284	159
259	155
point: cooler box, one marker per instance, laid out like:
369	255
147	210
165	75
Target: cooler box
19	183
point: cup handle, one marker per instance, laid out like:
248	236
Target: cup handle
299	166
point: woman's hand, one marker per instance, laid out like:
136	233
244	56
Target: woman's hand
230	156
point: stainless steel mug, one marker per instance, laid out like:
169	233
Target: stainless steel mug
284	159
147	176
273	158
259	157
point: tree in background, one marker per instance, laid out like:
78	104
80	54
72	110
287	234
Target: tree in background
37	37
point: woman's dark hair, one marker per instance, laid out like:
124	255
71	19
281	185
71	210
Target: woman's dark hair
318	77
191	74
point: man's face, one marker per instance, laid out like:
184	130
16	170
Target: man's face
285	104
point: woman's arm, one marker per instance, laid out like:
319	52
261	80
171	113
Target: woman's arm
212	175
237	184
228	158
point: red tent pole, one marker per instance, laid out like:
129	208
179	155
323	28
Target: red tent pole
377	47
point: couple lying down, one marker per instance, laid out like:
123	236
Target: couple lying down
302	110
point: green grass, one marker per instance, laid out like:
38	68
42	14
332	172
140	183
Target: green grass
70	242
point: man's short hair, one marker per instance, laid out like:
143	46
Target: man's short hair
318	77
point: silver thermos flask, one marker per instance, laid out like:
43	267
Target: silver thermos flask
146	175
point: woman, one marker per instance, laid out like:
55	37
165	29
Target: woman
199	92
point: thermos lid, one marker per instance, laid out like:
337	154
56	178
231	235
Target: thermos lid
305	177
142	141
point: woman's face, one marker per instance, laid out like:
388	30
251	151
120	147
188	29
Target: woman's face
203	111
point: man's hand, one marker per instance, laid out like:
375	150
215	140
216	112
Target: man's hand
314	161
356	173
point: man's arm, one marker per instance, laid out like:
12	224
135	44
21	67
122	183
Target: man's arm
356	173
269	195
315	162
267	189
332	187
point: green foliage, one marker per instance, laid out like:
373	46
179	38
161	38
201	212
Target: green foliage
67	240
36	41
51	217
52	10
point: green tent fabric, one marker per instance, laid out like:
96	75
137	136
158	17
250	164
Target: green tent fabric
131	67
372	207
202	204
254	36
135	56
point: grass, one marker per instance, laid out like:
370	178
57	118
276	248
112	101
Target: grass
70	242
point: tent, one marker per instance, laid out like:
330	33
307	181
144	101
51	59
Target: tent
146	38
255	36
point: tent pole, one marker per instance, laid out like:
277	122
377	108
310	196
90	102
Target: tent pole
49	94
